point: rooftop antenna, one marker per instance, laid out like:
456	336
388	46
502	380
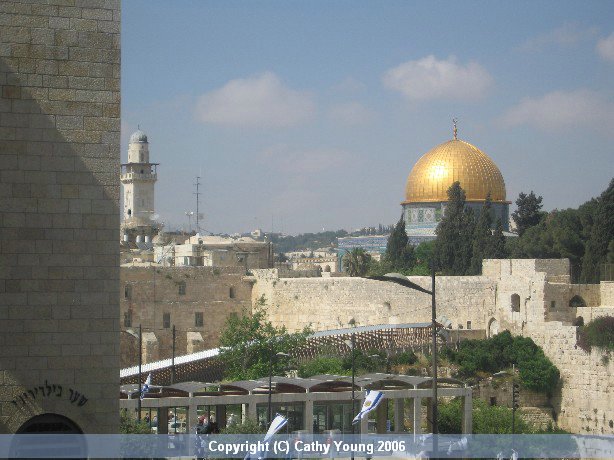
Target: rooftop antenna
454	122
198	215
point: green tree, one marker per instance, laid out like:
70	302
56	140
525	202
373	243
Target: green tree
129	425
399	253
356	262
496	248
601	234
248	343
482	235
454	243
528	213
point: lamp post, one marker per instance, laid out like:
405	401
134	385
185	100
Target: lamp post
403	281
515	393
352	343
271	358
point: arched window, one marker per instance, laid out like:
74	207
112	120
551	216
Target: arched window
127	291
515	302
231	292
181	287
577	302
327	268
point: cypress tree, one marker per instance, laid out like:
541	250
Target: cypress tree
496	247
454	244
481	237
399	254
602	233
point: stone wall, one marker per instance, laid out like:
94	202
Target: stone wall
59	196
331	303
148	293
528	297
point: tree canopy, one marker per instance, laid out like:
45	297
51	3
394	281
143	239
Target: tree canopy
528	213
356	262
249	343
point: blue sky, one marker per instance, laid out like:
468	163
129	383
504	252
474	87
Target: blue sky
309	115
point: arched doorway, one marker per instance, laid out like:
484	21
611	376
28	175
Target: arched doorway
49	424
493	327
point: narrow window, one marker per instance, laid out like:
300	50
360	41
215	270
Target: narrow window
166	320
127	291
128	318
182	288
515	300
198	319
231	292
552	304
493	401
468	325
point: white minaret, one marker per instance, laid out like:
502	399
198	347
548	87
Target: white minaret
138	177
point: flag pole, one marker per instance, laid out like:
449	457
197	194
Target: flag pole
140	371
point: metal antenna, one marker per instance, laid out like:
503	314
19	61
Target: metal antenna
197	184
454	122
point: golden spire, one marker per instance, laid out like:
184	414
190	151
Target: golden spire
454	121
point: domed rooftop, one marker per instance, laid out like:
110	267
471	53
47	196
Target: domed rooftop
138	136
455	160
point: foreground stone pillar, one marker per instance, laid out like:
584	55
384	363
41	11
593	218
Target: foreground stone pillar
308	416
417	416
467	420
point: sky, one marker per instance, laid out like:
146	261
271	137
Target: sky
301	116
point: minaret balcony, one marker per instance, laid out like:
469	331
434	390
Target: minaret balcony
145	177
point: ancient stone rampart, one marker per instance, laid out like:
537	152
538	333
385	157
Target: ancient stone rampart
528	297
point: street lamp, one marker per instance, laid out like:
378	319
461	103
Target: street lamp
403	281
271	358
352	344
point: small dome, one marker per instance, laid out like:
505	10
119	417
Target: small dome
452	161
138	136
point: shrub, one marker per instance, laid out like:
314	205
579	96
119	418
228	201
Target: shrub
322	365
249	426
499	353
598	333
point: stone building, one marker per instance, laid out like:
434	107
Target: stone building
216	251
59	221
533	298
195	300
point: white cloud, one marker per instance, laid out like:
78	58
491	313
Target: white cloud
430	78
568	34
260	100
350	113
605	47
562	110
310	161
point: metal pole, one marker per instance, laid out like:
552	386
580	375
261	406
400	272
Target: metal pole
513	399
434	324
353	393
269	412
140	371
173	358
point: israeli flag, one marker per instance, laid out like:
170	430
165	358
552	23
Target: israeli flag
371	401
277	424
145	387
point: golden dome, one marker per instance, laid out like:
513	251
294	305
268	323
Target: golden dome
455	160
